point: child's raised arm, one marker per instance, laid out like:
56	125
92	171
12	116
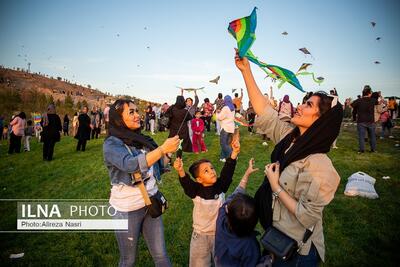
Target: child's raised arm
178	166
249	171
235	147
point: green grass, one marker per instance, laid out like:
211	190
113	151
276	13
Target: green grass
358	231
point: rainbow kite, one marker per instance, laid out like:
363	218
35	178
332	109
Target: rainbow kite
243	30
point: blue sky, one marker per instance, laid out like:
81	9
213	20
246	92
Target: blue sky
146	48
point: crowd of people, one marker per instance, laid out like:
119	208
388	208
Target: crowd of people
49	128
299	182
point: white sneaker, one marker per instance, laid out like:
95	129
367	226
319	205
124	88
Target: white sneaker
265	144
335	147
381	137
391	136
222	160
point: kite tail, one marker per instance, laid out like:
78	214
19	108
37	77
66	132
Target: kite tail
312	75
241	123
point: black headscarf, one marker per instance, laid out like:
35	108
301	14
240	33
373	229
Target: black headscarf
316	139
180	102
130	137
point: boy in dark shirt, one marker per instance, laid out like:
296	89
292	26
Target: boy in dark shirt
235	239
207	193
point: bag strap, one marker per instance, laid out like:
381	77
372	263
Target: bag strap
137	177
306	236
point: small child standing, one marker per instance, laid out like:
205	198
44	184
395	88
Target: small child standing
208	194
28	135
198	130
235	239
5	132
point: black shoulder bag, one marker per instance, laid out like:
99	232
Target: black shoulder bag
281	245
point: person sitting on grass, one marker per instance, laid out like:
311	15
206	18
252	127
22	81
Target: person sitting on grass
207	193
235	239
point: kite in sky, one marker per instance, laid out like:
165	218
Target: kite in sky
378	38
305	51
377	62
285	33
373	23
243	30
191	89
216	80
304	66
303	71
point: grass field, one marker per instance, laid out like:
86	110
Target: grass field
358	231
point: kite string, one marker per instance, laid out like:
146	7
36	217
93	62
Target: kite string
184	118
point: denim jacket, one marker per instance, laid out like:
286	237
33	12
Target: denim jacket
120	163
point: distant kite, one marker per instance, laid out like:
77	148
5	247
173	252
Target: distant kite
285	33
145	28
373	23
305	51
303	71
216	80
191	89
117	34
304	66
378	38
377	62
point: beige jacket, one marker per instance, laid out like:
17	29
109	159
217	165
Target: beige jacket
312	181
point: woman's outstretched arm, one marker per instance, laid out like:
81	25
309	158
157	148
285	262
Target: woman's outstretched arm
257	99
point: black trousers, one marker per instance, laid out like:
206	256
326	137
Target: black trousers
81	145
48	149
15	143
95	132
207	122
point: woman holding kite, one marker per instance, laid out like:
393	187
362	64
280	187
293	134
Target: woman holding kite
300	180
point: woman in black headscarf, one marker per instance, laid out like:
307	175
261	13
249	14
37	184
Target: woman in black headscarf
126	150
178	117
301	179
52	128
84	129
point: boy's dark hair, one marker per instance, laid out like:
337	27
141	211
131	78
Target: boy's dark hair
236	94
29	122
194	168
197	111
242	216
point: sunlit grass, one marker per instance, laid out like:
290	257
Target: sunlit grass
358	232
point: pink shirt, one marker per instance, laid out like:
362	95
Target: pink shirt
18	126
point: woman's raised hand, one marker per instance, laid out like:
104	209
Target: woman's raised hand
241	63
170	145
